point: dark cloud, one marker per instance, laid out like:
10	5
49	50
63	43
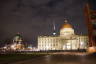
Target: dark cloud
35	17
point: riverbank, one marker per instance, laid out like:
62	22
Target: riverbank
16	57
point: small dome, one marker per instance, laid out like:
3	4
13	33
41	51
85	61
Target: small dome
17	37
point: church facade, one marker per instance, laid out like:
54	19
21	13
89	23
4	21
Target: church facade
67	40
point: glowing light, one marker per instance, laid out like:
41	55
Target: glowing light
54	33
68	47
66	32
92	49
13	46
30	47
82	43
5	47
47	47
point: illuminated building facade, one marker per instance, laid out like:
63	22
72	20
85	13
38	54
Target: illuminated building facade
90	15
67	40
17	43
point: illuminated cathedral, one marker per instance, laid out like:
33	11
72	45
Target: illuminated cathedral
67	40
17	43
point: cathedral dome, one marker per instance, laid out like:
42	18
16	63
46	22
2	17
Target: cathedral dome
66	29
66	26
17	37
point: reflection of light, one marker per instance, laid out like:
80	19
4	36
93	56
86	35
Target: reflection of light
48	58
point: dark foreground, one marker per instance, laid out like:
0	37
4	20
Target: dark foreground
13	58
56	59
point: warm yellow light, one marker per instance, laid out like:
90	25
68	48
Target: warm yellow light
92	49
13	46
5	47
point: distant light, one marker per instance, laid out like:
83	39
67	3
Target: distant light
54	33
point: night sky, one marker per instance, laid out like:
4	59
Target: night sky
32	18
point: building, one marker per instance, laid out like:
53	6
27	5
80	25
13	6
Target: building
17	43
67	40
90	16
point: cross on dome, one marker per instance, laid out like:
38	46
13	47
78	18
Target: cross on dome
66	24
66	21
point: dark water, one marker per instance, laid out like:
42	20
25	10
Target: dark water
62	59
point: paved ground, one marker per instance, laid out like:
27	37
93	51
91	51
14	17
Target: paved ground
61	59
